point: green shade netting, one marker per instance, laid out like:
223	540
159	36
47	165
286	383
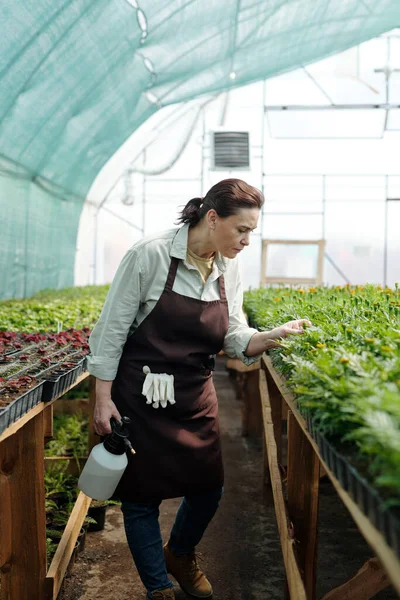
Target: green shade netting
78	77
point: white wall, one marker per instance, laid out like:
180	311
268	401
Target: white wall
354	206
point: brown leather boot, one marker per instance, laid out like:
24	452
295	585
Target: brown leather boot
165	594
186	571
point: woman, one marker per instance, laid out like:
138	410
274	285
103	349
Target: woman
175	302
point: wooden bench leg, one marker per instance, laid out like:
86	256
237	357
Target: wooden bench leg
93	437
240	384
252	417
303	496
268	496
370	579
275	401
48	423
22	513
294	582
275	398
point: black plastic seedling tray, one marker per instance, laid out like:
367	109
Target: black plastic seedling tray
57	383
385	519
20	406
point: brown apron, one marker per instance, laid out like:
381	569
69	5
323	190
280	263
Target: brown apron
178	448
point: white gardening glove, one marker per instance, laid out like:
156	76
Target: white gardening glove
158	388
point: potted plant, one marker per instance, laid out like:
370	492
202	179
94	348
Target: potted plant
97	513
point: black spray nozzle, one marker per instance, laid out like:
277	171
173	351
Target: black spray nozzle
117	442
120	427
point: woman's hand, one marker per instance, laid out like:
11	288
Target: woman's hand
104	408
264	340
103	411
289	328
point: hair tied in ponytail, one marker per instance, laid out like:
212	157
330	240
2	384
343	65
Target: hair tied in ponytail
191	211
226	198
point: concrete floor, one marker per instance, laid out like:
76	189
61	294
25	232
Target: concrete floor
240	551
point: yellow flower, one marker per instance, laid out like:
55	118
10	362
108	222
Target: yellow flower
319	345
301	291
369	339
386	349
276	299
344	359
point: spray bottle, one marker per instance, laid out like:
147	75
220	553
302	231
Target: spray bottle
106	463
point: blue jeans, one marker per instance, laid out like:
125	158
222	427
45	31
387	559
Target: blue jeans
144	536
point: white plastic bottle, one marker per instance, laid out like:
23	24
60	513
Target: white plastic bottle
106	463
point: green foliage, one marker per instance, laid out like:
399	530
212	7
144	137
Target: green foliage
89	521
50	505
60	486
61	492
345	369
98	503
70	436
51	548
76	307
54	534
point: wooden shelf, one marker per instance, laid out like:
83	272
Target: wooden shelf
387	557
23	561
16	426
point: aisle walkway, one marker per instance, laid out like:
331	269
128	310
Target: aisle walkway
241	551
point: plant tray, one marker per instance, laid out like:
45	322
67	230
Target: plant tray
20	406
58	382
386	520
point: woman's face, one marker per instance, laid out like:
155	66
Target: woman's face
232	234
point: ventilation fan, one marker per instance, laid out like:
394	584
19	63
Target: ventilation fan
230	150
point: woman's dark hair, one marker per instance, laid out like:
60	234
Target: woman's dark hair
226	197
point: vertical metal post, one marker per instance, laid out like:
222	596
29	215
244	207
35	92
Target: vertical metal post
203	141
264	88
144	194
95	244
385	242
323	206
25	289
387	72
262	273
